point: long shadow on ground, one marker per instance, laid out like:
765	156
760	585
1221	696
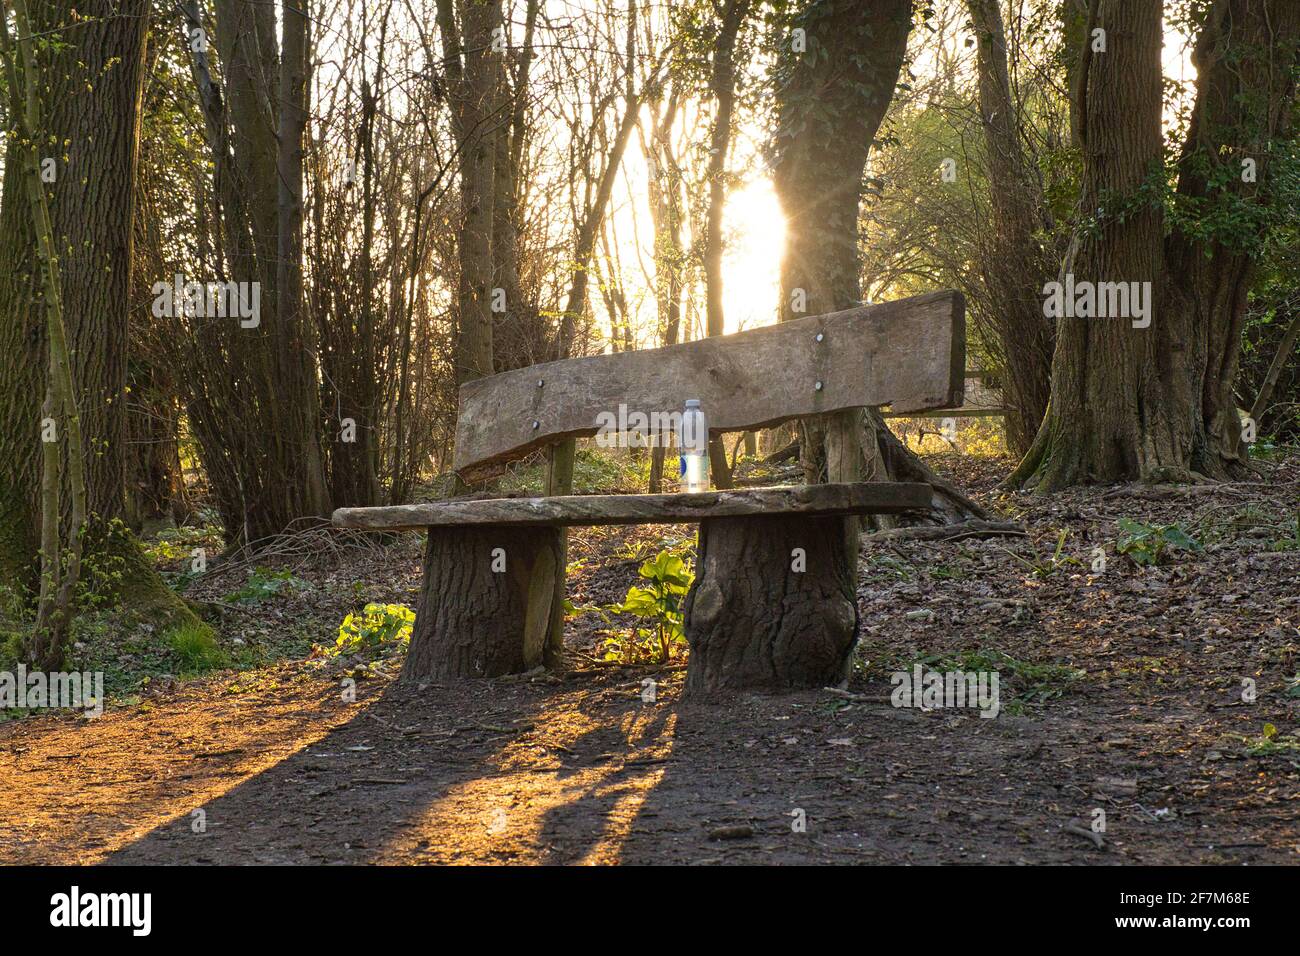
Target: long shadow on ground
584	771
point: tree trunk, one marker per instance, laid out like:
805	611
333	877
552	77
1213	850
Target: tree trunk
251	390
1100	373
92	209
1246	62
773	606
518	337
297	375
155	485
60	560
1017	265
92	205
22	378
476	77
855	52
473	67
1155	403
487	605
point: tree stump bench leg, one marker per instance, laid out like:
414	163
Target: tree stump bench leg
773	606
487	605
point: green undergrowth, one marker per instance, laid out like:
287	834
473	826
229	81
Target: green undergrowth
135	626
655	606
1270	742
370	641
1023	684
1254	523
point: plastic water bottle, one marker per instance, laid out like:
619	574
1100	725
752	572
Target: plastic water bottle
694	444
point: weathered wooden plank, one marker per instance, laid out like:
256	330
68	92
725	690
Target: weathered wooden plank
834	499
966	411
908	354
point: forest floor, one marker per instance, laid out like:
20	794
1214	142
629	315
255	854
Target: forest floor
1121	692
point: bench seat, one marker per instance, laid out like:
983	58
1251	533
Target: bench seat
566	510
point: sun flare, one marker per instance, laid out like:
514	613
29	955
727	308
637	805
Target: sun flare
751	266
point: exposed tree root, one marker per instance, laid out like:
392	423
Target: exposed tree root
892	461
885	458
952	532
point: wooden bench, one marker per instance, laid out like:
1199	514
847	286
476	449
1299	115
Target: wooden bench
773	605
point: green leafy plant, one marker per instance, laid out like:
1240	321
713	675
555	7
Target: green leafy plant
179	581
1147	545
1264	451
947	572
103	569
658	608
11	649
1271	741
887	568
378	629
634	550
1251	521
264	583
176	544
1289	537
594	470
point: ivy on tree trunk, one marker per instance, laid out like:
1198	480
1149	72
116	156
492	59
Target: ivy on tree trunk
1155	403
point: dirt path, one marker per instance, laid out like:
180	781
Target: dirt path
1121	692
586	772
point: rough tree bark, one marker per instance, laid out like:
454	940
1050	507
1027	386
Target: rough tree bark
92	209
1246	59
22	366
487	603
1155	403
60	560
1101	367
756	619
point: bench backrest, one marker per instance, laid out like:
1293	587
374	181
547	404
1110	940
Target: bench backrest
908	354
